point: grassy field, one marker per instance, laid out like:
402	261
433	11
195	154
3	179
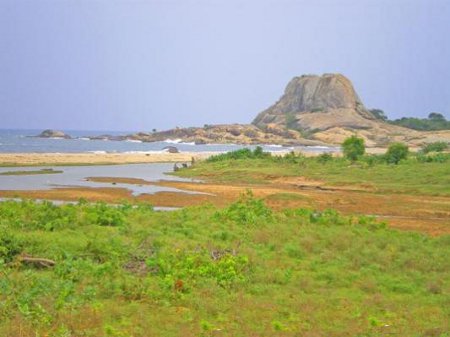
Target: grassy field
410	176
239	271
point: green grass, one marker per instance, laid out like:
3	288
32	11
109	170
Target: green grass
240	271
26	173
409	176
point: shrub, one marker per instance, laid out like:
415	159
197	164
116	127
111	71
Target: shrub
435	147
396	152
378	114
324	158
245	153
435	121
372	159
353	148
10	246
433	157
247	210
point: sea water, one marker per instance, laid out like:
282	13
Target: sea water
22	141
76	176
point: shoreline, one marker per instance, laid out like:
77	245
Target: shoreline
77	159
85	158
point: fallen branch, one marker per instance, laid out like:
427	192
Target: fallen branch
37	261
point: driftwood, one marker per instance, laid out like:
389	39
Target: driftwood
38	261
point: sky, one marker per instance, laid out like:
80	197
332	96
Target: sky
142	65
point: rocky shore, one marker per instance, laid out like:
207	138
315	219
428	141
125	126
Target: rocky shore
313	111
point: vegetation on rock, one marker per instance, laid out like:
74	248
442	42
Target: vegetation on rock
434	122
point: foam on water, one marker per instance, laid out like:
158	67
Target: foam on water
19	141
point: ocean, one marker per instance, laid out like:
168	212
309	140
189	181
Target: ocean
21	141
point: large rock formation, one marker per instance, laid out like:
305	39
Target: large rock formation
312	102
327	108
228	133
314	110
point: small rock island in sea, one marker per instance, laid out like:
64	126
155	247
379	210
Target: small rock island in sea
53	134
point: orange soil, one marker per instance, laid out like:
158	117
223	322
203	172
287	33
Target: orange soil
429	214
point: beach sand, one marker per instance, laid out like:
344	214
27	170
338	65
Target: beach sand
34	159
45	159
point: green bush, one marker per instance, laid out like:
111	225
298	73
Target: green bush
373	159
396	152
353	148
324	158
433	157
245	153
435	147
247	210
435	121
10	246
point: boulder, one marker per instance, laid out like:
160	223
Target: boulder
171	149
53	134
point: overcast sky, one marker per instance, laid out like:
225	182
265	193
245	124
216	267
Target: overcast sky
139	65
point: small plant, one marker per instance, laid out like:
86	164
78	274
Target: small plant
435	147
433	157
324	158
396	152
291	122
353	148
247	210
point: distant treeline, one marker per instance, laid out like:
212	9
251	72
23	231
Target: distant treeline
435	121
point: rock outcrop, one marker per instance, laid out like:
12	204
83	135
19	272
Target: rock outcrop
228	133
313	102
327	108
314	110
53	134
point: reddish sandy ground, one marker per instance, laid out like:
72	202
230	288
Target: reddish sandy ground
429	214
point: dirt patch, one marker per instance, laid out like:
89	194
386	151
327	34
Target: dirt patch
429	214
305	183
106	194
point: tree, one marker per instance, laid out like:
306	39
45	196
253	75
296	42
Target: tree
396	152
353	148
378	114
436	116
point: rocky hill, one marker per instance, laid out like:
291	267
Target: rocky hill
327	108
313	102
314	110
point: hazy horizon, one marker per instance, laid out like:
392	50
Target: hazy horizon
138	65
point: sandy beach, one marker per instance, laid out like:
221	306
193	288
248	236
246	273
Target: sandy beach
36	159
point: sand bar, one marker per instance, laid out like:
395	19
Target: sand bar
34	159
